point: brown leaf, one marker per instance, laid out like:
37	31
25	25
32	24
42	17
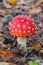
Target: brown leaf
2	52
34	10
40	1
6	11
41	51
7	54
36	44
1	10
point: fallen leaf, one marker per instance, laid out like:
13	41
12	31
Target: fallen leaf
40	1
6	11
36	45
41	51
7	54
3	11
34	10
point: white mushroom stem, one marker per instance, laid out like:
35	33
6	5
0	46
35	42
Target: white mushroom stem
22	42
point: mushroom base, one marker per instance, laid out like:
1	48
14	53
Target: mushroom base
22	42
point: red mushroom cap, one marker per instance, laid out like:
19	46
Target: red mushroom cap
22	25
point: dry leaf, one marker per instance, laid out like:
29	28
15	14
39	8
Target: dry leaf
41	51
34	10
7	54
5	11
40	1
9	11
36	44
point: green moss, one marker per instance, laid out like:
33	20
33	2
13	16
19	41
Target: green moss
36	62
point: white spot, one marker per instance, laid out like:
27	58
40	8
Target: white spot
22	20
29	27
23	26
15	29
24	31
19	30
18	25
17	35
31	33
28	31
14	34
20	35
27	22
33	23
32	28
12	30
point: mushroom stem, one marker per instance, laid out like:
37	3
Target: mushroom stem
22	42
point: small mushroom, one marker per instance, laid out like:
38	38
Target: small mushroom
22	26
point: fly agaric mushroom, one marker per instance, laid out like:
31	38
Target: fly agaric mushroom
22	26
